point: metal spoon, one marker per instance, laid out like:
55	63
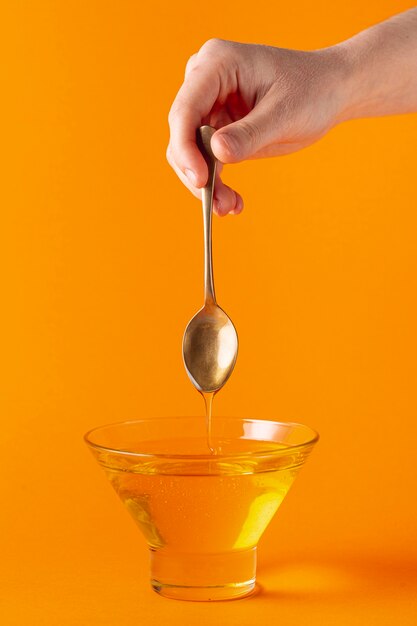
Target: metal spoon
210	341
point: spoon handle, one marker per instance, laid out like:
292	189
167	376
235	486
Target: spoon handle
204	135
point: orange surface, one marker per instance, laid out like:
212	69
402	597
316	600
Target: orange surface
101	261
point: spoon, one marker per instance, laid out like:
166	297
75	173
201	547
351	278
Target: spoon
210	341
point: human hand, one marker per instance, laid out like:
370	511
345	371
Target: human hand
264	101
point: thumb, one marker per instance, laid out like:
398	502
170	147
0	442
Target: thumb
242	139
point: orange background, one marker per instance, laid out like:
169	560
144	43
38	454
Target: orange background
101	262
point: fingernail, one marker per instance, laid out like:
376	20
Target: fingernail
191	177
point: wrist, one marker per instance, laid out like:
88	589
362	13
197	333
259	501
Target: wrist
345	84
358	89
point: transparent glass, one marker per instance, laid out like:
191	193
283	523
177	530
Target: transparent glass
202	505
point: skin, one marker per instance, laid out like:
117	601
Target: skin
266	101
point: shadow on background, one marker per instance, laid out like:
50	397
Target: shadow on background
345	579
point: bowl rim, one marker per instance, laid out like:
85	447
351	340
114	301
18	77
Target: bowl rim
309	443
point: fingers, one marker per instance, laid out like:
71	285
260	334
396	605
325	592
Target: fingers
190	64
208	81
225	199
205	81
249	136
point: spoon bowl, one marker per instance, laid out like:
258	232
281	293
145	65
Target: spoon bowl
210	348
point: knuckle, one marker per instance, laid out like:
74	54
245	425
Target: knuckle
173	113
213	45
251	132
190	63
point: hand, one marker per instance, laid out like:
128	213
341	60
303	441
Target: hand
264	101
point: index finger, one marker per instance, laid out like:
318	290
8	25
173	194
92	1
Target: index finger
193	103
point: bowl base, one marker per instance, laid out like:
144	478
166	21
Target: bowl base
205	594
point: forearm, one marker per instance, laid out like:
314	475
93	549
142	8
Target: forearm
382	68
